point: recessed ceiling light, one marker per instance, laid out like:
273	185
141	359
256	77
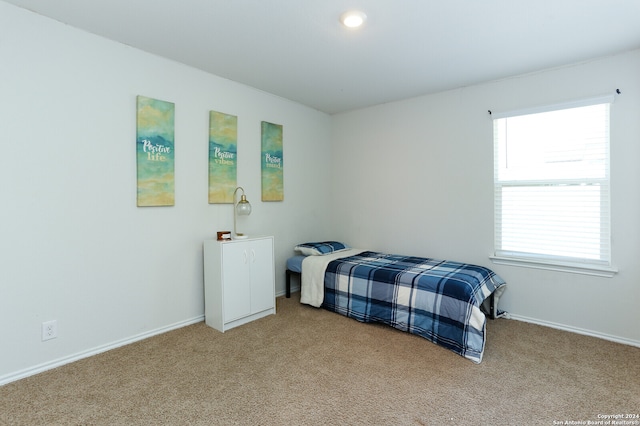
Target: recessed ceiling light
353	18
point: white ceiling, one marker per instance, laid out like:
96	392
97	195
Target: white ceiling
297	49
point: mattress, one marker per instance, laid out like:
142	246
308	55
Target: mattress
294	264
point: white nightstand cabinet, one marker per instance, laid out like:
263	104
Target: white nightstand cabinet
239	282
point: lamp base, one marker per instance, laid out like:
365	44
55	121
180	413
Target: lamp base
241	237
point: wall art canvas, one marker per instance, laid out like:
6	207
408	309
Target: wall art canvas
272	162
223	164
155	152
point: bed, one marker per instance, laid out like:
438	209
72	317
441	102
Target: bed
443	301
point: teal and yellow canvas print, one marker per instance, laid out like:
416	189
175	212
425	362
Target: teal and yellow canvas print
223	157
272	162
155	152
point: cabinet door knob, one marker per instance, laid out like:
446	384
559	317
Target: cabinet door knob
253	256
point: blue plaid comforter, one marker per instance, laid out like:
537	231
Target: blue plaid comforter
438	300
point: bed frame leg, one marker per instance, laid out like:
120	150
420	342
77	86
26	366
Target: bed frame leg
288	280
492	306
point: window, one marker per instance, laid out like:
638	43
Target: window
551	175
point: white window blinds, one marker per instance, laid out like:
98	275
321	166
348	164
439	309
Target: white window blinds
552	184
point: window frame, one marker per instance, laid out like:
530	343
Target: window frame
585	266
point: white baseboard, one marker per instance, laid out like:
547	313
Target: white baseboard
294	289
12	377
94	351
577	330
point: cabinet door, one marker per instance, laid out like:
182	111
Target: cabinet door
262	284
236	281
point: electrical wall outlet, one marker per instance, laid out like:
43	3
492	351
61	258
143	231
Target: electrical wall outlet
49	330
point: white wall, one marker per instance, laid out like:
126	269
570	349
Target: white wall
416	177
74	247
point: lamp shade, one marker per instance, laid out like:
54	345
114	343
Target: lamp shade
243	208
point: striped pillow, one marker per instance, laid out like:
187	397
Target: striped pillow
321	248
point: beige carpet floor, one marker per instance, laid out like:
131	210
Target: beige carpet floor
308	366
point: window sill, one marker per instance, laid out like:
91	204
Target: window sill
549	265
